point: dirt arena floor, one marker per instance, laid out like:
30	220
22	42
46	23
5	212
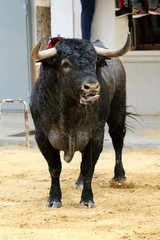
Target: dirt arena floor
128	211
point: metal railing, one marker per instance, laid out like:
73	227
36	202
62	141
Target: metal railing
25	115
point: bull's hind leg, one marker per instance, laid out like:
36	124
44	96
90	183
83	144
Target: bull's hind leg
117	130
89	158
53	159
79	183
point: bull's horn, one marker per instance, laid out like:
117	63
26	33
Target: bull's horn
115	53
39	55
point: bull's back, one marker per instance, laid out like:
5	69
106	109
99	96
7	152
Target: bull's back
114	76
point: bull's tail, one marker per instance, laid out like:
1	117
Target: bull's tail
134	116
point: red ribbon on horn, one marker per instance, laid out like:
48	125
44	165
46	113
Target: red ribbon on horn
53	41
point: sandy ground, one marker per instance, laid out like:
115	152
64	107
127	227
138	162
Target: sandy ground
124	212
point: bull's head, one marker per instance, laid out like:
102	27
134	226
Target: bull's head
76	64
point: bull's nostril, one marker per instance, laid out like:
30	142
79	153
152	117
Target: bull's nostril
91	87
86	87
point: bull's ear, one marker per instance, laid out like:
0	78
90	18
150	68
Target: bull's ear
101	61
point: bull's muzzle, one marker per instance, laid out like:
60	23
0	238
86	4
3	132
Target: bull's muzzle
90	92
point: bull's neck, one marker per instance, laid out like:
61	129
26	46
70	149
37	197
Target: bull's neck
72	112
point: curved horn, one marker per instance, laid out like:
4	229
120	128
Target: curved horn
39	55
115	53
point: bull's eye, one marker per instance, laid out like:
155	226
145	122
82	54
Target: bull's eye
66	64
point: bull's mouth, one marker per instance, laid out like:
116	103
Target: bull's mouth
87	99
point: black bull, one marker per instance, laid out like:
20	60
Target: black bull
75	95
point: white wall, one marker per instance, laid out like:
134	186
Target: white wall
103	27
77	18
143	81
62	18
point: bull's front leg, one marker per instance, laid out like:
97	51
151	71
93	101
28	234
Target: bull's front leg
55	195
89	158
53	159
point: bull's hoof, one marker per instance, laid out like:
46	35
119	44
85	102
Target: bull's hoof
78	186
79	183
119	179
53	204
89	204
